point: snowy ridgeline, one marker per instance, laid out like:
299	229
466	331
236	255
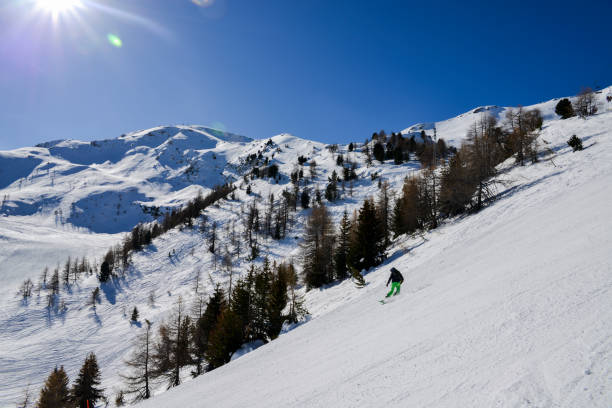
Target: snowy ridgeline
475	287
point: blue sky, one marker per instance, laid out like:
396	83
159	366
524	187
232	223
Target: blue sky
333	71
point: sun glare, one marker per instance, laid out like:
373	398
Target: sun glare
56	7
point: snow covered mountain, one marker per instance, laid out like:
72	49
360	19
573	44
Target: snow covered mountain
508	307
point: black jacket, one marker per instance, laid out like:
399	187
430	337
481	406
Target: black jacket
396	276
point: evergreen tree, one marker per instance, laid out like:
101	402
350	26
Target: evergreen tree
342	247
277	301
331	191
305	199
54	393
379	152
135	314
564	109
384	213
261	292
212	238
368	241
575	143
398	155
412	144
296	301
242	303
204	325
224	340
55	282
86	387
105	272
317	248
138	381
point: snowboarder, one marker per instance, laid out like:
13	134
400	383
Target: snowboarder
396	280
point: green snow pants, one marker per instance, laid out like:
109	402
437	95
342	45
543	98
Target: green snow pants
395	286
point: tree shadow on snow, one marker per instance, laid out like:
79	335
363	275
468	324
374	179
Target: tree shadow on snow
96	317
403	251
515	189
110	291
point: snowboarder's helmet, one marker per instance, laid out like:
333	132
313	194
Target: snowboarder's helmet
394	270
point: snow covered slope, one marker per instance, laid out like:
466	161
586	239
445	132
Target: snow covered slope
508	306
511	307
102	185
454	130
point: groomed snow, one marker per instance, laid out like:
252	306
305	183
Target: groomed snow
509	307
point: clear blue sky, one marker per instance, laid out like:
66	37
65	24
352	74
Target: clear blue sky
332	71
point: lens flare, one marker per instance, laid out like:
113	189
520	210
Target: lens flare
114	40
218	126
57	6
203	3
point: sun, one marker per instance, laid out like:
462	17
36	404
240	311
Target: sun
57	7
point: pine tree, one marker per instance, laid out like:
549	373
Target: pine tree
379	152
277	301
367	245
135	314
296	301
55	392
384	213
342	247
55	282
261	292
398	155
105	272
317	248
241	303
86	387
331	191
139	380
564	109
204	326
212	237
305	199
224	340
575	143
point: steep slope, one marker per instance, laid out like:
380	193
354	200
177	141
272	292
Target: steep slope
168	268
510	307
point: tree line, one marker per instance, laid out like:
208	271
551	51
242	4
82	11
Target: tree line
461	182
254	308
